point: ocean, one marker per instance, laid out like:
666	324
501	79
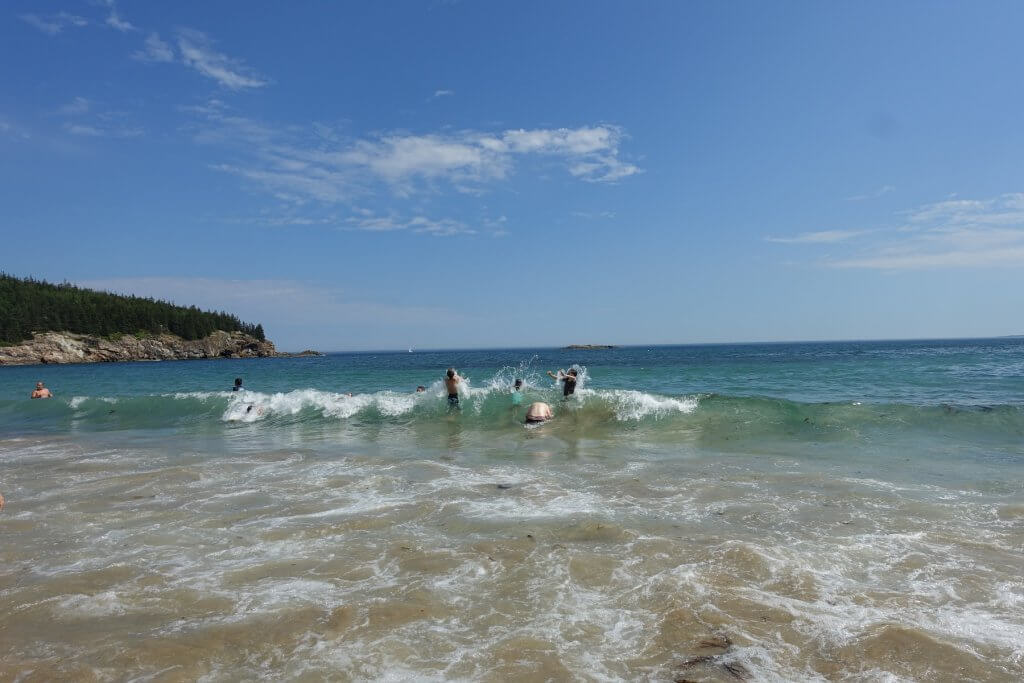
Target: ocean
777	512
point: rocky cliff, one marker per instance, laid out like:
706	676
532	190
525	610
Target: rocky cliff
65	347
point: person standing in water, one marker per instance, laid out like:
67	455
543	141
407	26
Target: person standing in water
568	380
517	393
451	383
41	391
238	385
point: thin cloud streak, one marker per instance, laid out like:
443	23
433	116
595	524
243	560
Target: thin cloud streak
445	227
114	19
89	130
76	107
821	237
155	50
972	258
955	233
197	53
884	190
53	24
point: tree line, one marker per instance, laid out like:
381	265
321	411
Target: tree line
29	305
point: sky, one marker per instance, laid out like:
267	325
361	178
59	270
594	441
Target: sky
443	174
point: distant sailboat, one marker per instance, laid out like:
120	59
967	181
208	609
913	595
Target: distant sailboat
410	349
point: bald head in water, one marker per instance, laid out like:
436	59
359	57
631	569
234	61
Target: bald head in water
538	412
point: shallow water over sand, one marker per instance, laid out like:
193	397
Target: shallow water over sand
531	556
762	512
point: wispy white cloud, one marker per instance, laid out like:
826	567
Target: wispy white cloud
590	215
443	93
1007	209
75	107
884	190
369	221
950	258
53	24
84	118
198	53
114	19
287	219
821	237
12	131
103	131
419	224
954	233
296	164
155	50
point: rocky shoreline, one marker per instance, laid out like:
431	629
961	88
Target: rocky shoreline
67	347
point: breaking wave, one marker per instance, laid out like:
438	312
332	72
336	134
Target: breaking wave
492	406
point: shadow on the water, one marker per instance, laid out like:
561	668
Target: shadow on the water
453	436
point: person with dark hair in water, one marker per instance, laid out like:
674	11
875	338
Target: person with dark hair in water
420	389
451	383
517	393
238	385
568	380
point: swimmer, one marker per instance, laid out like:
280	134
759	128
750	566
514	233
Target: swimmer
420	389
568	380
41	391
451	382
538	412
517	394
238	385
1	501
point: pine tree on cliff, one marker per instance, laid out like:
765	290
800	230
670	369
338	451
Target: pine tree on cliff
29	305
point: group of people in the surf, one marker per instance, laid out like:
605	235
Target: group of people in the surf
537	412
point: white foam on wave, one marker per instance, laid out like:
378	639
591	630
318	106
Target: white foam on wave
271	594
251	406
847	573
630	405
203	395
537	502
104	604
77	401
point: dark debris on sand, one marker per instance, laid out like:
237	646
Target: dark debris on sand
712	661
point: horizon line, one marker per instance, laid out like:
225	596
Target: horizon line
673	344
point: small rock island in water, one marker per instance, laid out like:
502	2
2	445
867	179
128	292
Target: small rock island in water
588	347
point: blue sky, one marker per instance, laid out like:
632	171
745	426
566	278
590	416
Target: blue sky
464	174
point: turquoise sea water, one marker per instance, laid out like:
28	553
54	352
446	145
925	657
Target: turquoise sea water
833	509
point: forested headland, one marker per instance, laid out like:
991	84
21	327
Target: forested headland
29	305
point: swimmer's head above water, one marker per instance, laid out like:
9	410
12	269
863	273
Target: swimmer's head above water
538	412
